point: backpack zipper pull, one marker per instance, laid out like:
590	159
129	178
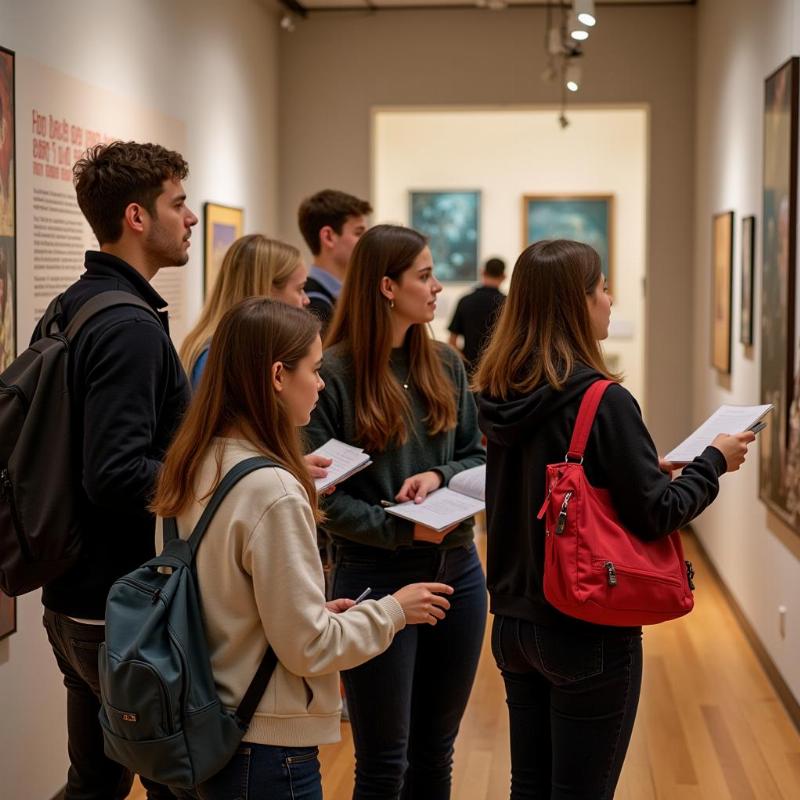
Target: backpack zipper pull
612	573
690	574
562	515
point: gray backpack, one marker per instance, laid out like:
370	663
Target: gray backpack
161	715
39	483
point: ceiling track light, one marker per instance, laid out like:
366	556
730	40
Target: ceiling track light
572	75
584	12
287	22
577	30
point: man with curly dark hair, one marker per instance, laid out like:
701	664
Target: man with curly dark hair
128	392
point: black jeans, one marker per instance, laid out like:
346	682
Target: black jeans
406	705
91	775
572	700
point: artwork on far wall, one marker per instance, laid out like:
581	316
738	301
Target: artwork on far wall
779	473
223	226
587	218
748	282
450	219
8	222
721	291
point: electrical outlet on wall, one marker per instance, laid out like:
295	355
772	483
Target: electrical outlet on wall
782	621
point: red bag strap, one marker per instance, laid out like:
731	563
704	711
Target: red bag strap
586	414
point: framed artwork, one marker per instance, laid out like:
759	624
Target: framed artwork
450	220
8	221
587	218
779	459
722	291
748	264
223	226
8	615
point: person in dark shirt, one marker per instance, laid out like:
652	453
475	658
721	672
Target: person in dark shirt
572	687
128	392
331	223
475	314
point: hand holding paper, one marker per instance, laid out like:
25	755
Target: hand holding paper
725	420
345	461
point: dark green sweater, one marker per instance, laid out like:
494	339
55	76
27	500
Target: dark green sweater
354	511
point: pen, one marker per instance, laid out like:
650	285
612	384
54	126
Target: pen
363	595
759	426
386	504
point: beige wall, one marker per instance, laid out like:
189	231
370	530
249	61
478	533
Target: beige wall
740	43
603	151
335	67
213	66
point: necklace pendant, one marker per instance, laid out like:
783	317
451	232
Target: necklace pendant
405	386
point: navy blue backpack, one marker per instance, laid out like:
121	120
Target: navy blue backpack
161	715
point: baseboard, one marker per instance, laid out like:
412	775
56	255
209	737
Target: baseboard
782	689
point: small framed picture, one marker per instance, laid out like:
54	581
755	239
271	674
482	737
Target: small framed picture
223	226
748	271
450	219
722	292
8	615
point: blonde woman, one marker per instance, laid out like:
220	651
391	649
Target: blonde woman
254	266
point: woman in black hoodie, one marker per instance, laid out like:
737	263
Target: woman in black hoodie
572	687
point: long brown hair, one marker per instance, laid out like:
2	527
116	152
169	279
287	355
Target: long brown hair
253	265
236	397
363	324
544	328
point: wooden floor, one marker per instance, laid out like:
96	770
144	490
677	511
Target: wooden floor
710	726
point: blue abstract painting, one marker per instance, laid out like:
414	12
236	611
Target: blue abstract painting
450	220
582	219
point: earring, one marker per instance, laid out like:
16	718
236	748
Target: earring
391	304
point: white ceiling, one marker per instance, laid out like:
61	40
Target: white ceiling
324	5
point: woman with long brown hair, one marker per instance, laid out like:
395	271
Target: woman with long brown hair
253	266
572	687
258	570
405	399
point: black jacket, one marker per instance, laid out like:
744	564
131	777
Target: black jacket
527	433
128	392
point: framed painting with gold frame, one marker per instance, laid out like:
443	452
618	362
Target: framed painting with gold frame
8	220
722	291
223	226
587	218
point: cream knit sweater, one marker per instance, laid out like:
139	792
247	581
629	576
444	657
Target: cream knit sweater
260	581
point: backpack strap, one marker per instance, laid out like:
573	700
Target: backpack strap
255	691
100	302
586	414
232	477
52	312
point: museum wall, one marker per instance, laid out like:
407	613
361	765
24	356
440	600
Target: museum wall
740	43
204	73
336	67
607	153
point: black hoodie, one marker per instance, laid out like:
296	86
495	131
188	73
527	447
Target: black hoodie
527	433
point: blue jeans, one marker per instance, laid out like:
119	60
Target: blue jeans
406	705
572	700
266	772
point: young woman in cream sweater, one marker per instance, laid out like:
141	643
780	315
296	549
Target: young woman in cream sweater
258	568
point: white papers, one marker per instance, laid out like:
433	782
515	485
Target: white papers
471	482
445	507
347	460
726	419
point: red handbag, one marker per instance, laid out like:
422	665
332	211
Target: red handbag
594	568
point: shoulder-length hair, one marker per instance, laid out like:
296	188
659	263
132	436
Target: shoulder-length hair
544	328
253	265
236	397
363	324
